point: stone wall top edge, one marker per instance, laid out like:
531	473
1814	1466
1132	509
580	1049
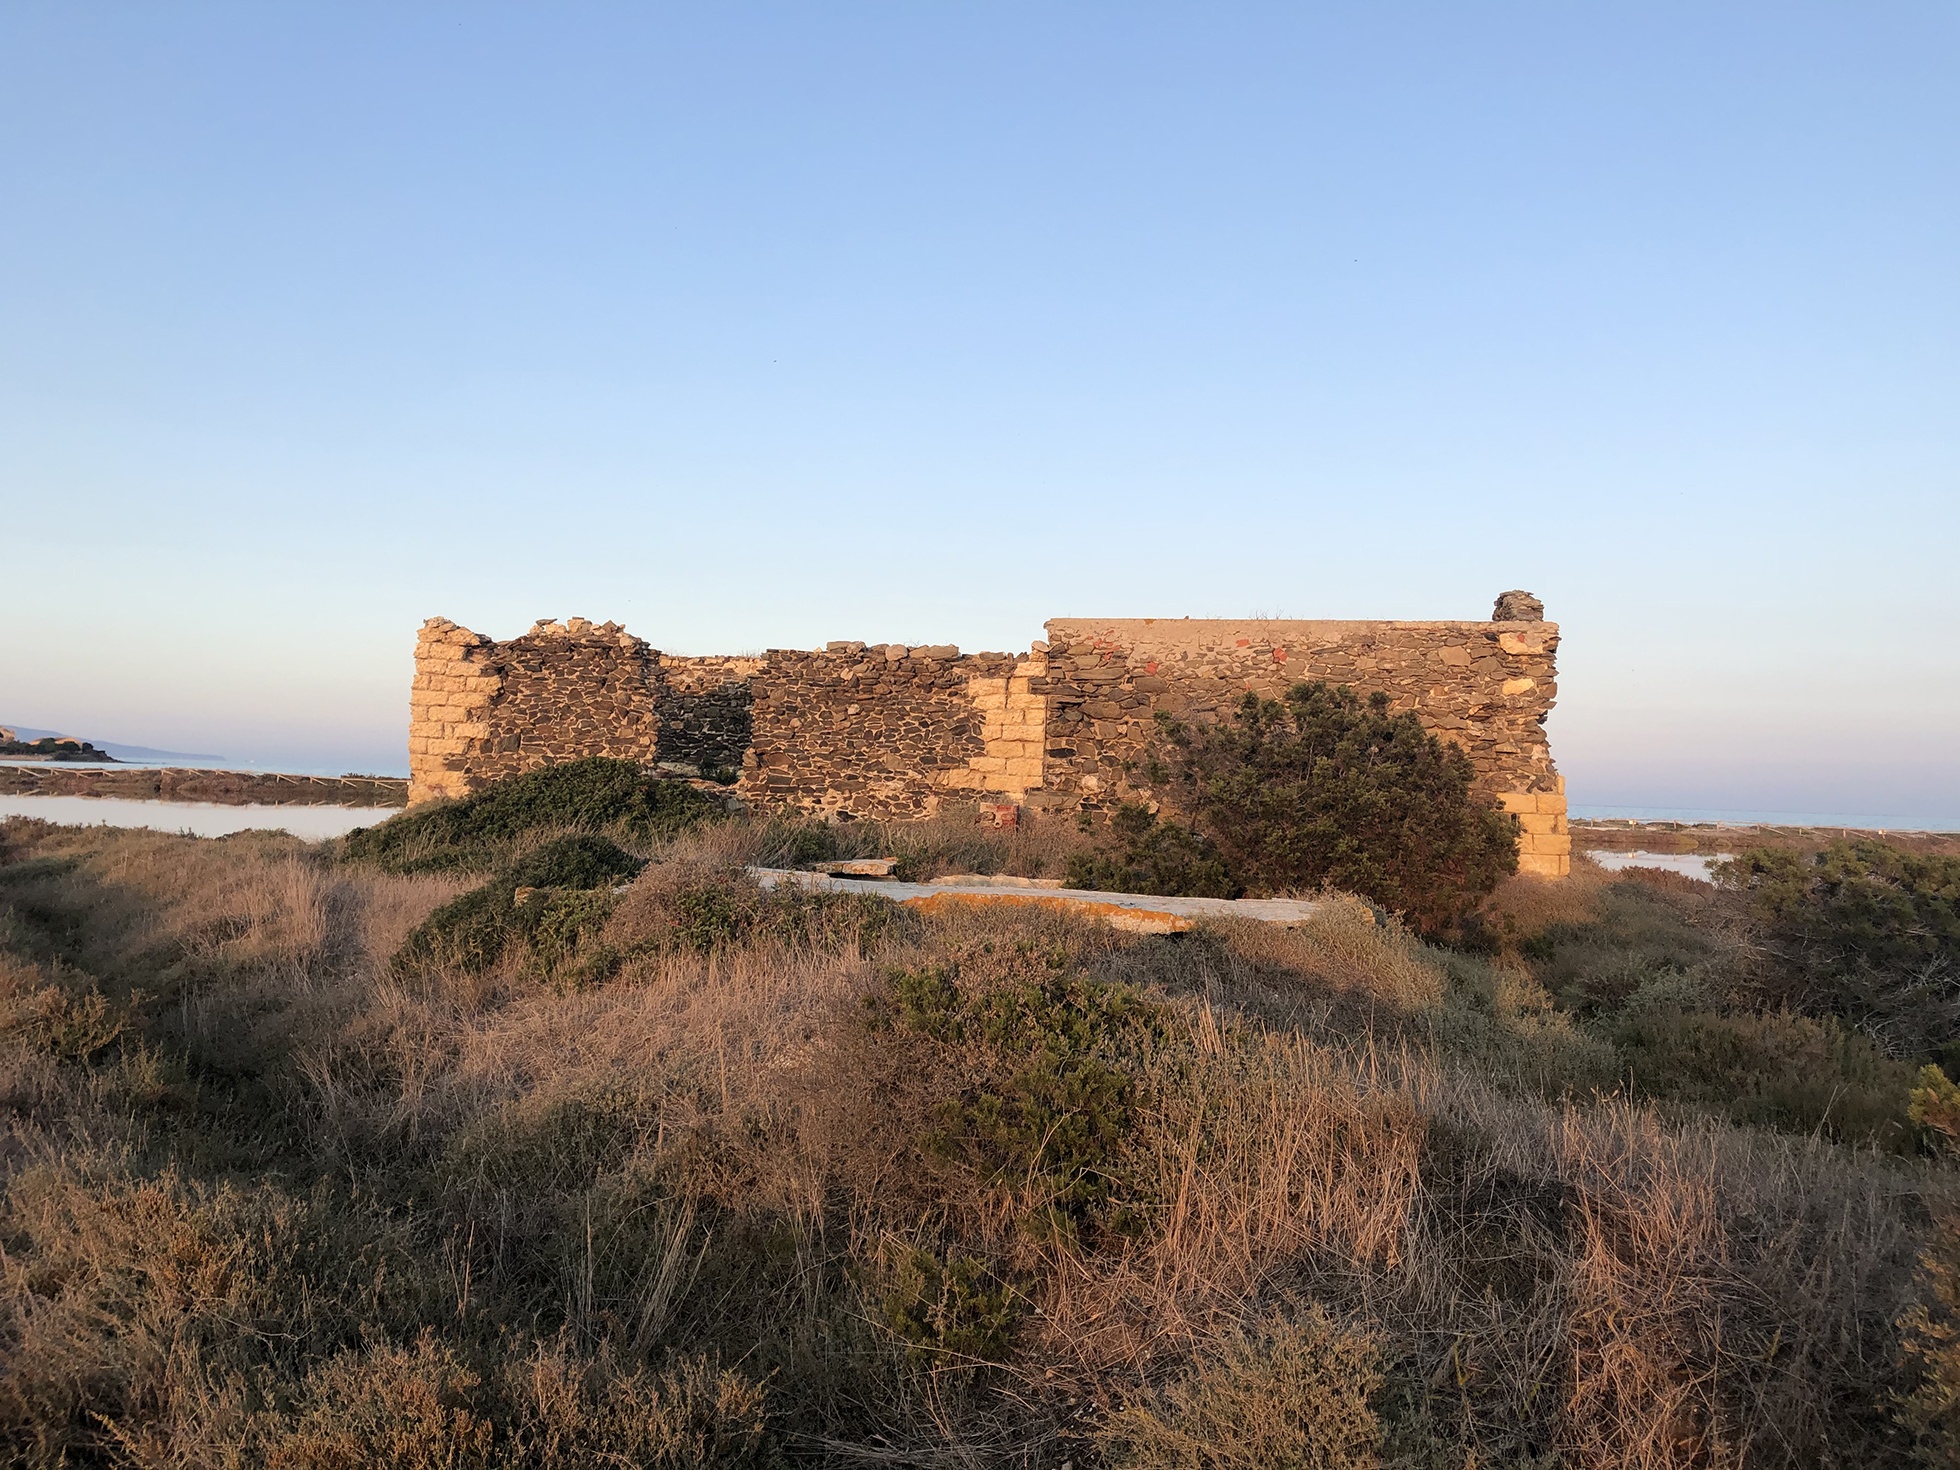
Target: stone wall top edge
871	648
445	630
1209	629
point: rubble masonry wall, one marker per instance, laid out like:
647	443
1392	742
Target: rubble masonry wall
892	731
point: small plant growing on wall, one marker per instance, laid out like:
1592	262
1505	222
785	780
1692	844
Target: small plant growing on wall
1316	790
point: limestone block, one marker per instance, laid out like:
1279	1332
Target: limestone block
1518	801
470	732
1544	865
1022	700
990	701
1538	822
977	687
1519	686
992	764
1024	766
418	744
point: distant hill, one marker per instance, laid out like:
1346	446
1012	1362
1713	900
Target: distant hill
120	752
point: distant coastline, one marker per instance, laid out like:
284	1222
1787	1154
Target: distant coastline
117	750
51	748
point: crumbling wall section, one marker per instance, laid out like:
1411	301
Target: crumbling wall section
480	710
876	730
1484	686
707	712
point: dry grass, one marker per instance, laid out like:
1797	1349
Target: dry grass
265	1204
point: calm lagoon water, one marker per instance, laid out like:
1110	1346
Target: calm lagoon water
198	818
1694	864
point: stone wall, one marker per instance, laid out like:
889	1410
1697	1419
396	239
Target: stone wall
874	730
480	710
1484	686
706	709
886	730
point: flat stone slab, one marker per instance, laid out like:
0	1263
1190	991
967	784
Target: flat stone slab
856	867
1138	913
990	880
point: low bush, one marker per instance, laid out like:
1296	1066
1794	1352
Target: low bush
478	832
1321	790
1775	1070
952	1309
550	902
427	1408
1867	930
1290	1393
1147	854
700	908
1044	1093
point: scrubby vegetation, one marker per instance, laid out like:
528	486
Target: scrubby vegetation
54	748
1319	790
312	1161
1866	931
611	797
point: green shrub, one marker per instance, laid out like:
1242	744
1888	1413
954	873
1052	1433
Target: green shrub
566	888
692	907
1323	791
1150	855
1775	1069
476	832
1055	1098
1292	1395
1871	931
951	1309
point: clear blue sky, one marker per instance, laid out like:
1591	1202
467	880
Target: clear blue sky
758	325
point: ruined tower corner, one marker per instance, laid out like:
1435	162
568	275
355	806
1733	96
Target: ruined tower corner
448	708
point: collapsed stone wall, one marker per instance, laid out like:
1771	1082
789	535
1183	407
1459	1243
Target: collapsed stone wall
887	730
480	710
1483	686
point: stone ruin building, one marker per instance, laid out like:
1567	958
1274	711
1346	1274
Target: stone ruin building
890	730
